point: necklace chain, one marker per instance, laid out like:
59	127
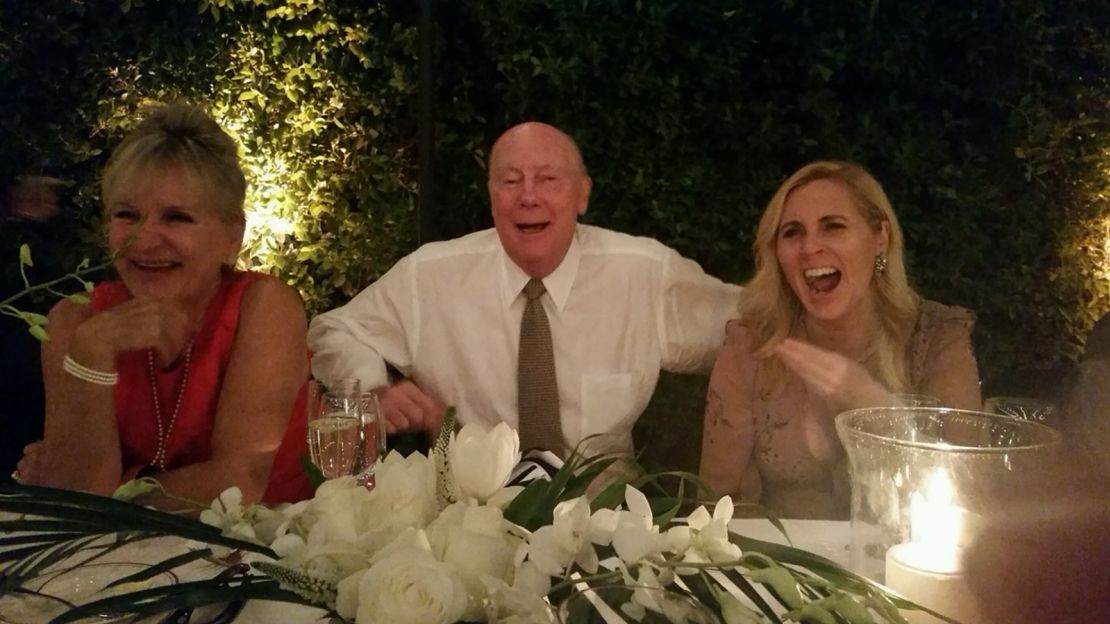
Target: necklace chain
165	432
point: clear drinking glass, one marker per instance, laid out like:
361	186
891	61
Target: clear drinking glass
334	426
371	439
906	399
1025	408
612	604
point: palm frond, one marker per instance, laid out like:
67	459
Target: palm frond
193	594
44	527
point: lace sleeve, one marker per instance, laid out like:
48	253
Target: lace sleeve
728	435
942	358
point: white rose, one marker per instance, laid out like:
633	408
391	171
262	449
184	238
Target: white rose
346	600
511	605
481	460
404	497
410	588
476	540
341	515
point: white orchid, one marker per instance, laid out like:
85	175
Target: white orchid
554	547
707	536
482	459
227	513
636	536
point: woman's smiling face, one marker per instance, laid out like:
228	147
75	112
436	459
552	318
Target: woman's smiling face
172	245
826	250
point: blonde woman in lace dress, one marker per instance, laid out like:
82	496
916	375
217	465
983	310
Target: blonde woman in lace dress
828	323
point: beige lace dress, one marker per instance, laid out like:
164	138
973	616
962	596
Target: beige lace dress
781	450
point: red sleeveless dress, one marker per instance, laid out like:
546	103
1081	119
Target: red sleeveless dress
190	440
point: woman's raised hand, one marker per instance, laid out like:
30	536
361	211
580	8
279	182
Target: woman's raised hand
131	326
844	383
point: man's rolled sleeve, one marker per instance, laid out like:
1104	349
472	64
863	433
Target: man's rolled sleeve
377	326
695	308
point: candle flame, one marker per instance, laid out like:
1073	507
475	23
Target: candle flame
934	518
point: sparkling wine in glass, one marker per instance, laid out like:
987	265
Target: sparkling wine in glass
334	433
371	441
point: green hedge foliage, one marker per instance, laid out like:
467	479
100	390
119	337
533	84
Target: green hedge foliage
988	123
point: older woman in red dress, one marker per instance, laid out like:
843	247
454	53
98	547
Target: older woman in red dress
183	368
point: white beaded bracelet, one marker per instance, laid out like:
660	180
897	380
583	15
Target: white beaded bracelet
84	373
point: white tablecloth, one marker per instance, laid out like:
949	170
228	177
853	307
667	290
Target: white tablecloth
828	538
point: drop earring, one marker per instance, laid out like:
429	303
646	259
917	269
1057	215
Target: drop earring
881	263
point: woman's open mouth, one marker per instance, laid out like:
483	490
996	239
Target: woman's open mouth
822	279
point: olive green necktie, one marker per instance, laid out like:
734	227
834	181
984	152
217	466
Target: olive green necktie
537	390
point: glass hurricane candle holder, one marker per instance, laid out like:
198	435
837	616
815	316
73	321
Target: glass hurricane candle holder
924	482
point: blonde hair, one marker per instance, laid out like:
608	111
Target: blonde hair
772	311
180	134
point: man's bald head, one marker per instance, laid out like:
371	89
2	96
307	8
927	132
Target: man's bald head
537	186
541	133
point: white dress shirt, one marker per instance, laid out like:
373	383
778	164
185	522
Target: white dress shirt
448	316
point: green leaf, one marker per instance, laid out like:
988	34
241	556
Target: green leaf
137	487
153	601
39	332
525	508
165	566
315	477
25	255
779	580
812	612
33	318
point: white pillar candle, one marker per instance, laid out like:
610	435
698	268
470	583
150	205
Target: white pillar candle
929	579
927	570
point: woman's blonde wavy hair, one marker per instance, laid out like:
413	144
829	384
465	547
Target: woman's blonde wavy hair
180	134
773	312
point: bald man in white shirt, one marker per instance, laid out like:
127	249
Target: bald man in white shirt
448	316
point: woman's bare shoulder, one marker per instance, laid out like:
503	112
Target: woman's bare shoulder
66	315
271	301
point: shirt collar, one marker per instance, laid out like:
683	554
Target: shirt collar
558	283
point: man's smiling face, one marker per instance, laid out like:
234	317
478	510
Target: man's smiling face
537	187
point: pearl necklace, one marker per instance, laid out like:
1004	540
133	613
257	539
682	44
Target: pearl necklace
164	433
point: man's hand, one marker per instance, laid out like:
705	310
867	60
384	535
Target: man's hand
407	407
843	383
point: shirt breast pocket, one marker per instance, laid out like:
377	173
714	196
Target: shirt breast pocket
611	403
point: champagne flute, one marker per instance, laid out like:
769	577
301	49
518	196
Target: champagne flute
907	399
371	439
334	425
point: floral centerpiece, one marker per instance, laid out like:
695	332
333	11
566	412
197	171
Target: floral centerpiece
442	538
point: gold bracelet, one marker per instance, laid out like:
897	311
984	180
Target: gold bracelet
84	373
